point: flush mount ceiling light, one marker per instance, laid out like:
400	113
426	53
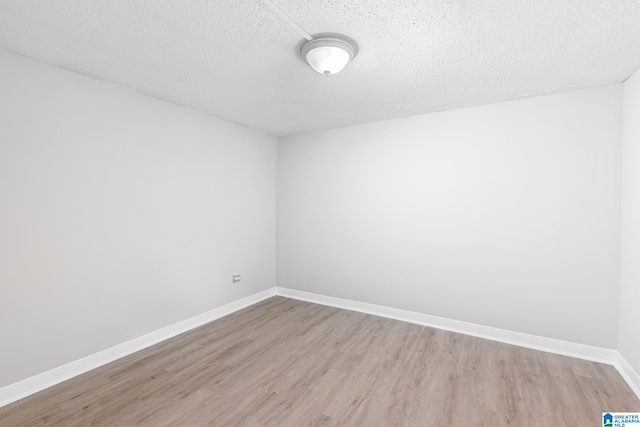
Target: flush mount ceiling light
327	54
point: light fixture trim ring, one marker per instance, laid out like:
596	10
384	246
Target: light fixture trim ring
343	42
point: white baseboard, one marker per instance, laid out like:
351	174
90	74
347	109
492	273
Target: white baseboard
535	342
24	388
39	382
628	374
550	345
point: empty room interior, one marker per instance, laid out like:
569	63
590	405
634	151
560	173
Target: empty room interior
302	213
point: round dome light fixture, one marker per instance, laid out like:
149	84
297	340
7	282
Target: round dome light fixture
328	55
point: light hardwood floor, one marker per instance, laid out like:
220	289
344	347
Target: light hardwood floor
284	362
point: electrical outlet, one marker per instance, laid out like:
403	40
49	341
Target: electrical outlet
236	278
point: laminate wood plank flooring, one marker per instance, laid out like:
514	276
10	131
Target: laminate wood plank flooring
284	362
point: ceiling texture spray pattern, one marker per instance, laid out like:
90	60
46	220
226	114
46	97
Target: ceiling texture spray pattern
237	60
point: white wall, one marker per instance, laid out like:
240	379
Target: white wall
119	214
505	215
629	338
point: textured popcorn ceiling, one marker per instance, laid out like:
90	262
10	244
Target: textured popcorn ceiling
237	60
